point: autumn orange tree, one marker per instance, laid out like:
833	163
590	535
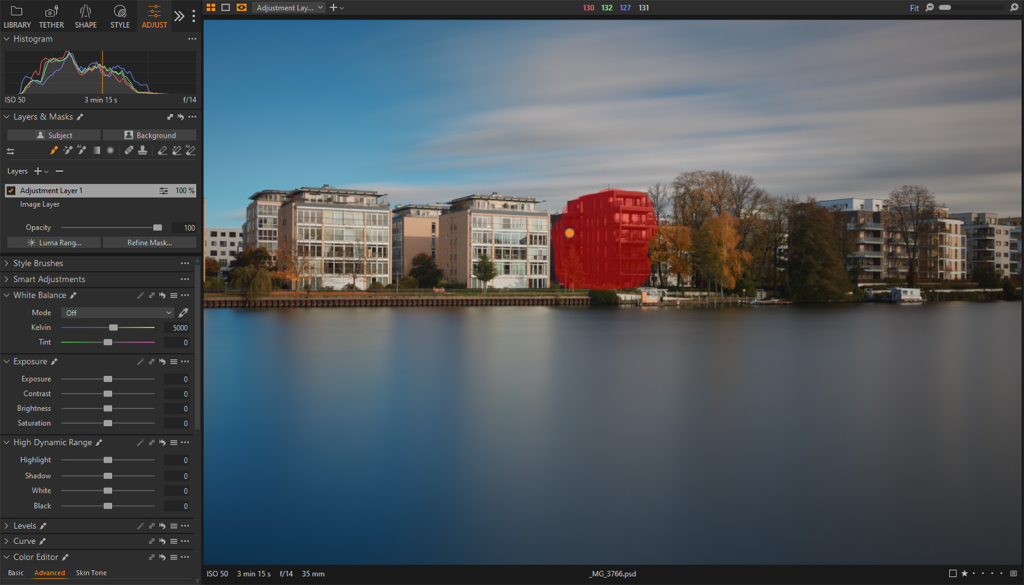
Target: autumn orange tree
671	247
288	265
716	254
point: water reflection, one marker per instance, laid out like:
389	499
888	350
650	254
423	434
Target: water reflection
859	434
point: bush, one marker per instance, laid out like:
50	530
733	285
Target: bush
375	285
603	297
408	282
349	287
986	276
453	285
1010	291
213	283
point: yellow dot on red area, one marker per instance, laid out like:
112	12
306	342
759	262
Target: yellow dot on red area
569	232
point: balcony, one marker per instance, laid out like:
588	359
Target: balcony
865	226
868	253
870	240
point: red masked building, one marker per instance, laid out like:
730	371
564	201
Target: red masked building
600	240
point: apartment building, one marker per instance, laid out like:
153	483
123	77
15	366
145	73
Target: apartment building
414	230
261	220
943	252
988	241
880	253
222	245
511	230
1014	223
332	237
1016	268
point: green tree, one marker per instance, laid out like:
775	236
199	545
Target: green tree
256	257
255	282
425	270
816	269
986	275
484	270
1009	290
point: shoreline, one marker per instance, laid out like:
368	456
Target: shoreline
372	300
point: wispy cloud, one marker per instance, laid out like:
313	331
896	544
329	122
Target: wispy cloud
856	113
558	109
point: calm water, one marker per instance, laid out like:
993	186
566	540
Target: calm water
851	434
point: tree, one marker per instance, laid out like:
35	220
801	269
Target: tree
769	238
293	263
746	201
212	267
671	247
355	267
736	258
986	275
697	195
425	270
255	281
1009	290
573	271
256	257
816	268
910	211
484	270
661	200
715	251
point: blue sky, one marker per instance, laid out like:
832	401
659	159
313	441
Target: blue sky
429	111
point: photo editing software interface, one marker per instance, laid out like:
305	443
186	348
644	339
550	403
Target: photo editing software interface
217	371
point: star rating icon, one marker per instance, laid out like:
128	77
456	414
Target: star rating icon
965	573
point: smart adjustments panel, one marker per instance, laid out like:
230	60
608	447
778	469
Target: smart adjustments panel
101	270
